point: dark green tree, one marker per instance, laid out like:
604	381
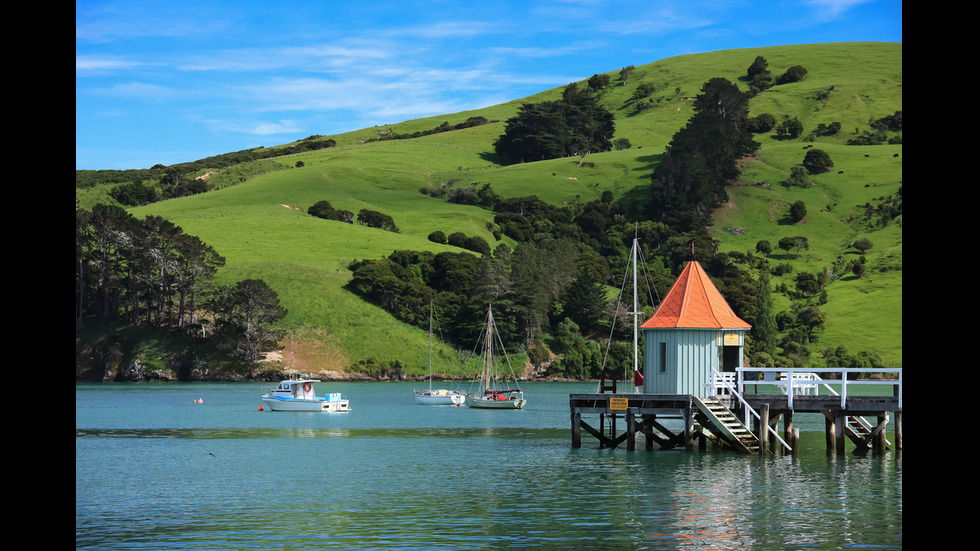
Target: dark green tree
790	128
323	209
247	314
626	72
574	125
817	161
787	243
377	219
795	73
584	301
799	176
758	67
702	158
764	247
758	74
762	124
764	331
598	82
863	245
797	211
807	284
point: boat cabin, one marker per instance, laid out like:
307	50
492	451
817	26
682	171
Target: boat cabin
301	389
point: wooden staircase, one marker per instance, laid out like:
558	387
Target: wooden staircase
721	422
858	430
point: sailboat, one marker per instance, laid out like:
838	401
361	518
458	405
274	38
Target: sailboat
490	396
635	312
437	397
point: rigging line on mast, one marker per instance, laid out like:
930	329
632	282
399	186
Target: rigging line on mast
646	276
500	342
612	329
634	311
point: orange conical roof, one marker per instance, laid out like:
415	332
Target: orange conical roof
694	302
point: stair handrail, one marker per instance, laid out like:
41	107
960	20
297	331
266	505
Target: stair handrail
748	408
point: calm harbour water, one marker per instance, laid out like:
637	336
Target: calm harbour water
156	470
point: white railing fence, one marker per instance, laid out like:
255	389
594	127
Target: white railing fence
727	388
799	381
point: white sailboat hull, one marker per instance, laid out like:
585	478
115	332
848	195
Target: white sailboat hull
439	397
490	402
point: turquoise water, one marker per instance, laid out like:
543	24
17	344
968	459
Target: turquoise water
156	470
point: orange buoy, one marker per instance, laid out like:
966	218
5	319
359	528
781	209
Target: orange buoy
260	407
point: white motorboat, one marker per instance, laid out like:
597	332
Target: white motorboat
490	395
299	395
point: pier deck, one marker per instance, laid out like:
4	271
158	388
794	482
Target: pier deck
717	417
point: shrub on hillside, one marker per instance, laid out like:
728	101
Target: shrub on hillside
761	124
817	161
375	219
323	209
799	177
795	73
790	128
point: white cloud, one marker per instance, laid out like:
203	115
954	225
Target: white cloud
97	64
831	9
139	91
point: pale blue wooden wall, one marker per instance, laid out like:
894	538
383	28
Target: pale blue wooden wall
691	354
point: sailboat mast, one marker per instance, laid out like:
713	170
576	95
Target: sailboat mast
489	352
636	313
430	345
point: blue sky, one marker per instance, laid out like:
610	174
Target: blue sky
176	81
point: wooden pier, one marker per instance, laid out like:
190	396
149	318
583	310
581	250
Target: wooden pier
735	417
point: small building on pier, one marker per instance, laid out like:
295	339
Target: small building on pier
693	332
694	379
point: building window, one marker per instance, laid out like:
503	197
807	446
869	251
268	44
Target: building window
663	357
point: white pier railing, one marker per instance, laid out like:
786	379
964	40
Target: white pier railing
800	381
727	388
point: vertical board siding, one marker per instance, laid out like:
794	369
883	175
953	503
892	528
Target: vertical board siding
691	355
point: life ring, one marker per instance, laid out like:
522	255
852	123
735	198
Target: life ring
307	387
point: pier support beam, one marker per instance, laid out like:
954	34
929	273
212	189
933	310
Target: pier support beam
630	430
763	428
576	429
840	422
788	430
898	430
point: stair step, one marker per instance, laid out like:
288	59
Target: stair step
724	424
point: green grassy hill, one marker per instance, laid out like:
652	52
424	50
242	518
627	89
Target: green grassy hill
261	225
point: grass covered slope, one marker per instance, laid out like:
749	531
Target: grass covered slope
262	229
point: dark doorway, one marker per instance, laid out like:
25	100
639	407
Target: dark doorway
729	358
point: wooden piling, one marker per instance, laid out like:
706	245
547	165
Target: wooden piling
831	433
840	421
788	430
576	429
898	430
762	428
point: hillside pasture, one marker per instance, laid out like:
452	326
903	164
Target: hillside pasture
261	226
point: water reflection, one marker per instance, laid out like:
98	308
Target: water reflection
404	477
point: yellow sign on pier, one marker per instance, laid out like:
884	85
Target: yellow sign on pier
618	402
